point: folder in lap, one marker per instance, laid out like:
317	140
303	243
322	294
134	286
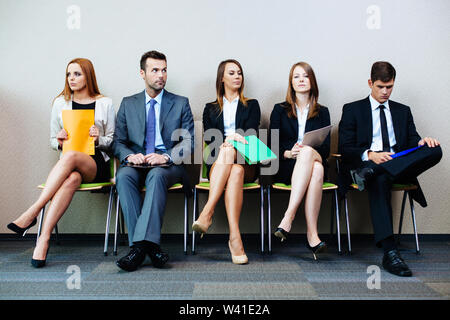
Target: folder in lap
255	151
404	152
316	137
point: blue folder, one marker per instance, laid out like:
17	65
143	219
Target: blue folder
405	152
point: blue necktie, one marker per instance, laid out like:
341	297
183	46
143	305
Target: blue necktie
150	134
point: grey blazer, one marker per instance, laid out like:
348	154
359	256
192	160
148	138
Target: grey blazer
129	135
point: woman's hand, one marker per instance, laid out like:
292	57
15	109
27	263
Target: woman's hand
61	136
293	153
236	137
94	132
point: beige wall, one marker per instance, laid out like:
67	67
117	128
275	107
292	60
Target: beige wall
267	37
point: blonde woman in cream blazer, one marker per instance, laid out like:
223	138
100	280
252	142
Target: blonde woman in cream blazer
73	168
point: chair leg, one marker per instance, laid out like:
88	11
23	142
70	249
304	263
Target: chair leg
117	224
57	235
413	216
332	223
261	219
348	225
401	216
338	228
41	219
269	221
108	220
185	223
194	217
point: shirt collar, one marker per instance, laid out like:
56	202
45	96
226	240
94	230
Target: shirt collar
234	100
307	108
374	104
158	98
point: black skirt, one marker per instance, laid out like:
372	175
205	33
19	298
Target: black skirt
103	168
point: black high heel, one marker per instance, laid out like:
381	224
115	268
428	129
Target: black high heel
281	233
321	247
23	231
39	263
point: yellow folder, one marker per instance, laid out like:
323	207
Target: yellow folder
77	124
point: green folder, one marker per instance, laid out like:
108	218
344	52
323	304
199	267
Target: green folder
255	151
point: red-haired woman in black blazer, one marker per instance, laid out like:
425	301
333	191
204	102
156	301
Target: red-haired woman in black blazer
301	166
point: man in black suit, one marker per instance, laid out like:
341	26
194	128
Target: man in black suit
370	132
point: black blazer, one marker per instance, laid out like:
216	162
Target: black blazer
289	128
247	117
288	132
355	134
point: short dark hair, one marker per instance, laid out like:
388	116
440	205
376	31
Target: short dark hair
383	71
153	55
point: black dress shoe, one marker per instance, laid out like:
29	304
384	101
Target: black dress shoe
132	260
281	233
361	176
393	263
22	231
158	257
321	247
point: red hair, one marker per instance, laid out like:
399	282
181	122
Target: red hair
91	81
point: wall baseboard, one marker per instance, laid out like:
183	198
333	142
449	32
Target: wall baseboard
173	237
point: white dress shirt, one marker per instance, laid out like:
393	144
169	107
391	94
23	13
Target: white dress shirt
229	115
159	144
301	118
377	141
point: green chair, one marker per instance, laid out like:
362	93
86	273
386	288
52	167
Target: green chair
281	187
176	188
204	185
102	187
406	188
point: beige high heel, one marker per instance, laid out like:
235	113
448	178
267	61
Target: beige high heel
238	259
200	228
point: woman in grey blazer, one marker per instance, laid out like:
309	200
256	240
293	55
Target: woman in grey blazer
73	168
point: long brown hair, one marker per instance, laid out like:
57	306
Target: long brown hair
313	93
220	88
91	81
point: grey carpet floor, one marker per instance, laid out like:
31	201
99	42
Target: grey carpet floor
289	273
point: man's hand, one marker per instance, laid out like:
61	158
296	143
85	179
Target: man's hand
154	159
430	142
379	157
136	158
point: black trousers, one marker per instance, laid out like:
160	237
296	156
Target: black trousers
399	170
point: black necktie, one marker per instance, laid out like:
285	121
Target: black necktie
384	130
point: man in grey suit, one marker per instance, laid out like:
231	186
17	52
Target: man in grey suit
156	128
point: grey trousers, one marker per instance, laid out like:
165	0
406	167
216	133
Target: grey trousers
144	218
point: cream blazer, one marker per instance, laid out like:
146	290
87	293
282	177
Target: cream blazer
105	120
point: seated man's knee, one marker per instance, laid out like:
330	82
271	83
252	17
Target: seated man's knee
156	175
